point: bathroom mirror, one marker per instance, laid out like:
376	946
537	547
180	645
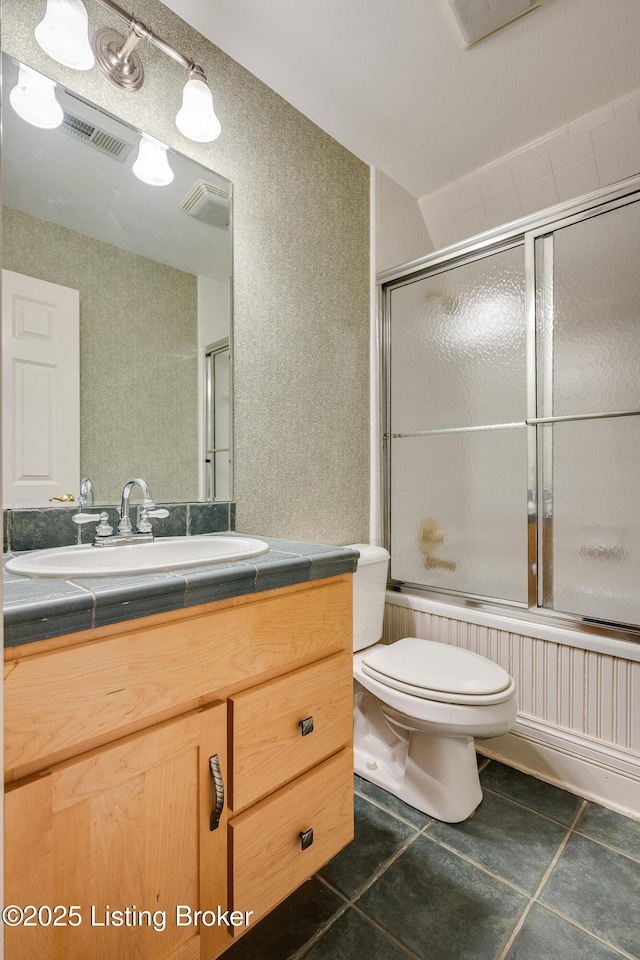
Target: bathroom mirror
151	267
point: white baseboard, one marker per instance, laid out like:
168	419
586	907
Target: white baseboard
584	766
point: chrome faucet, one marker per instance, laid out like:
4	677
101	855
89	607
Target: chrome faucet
86	493
146	510
148	503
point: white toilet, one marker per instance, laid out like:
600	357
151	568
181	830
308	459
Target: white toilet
418	705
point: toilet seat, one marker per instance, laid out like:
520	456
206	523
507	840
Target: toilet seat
437	671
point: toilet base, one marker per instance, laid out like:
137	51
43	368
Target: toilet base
437	775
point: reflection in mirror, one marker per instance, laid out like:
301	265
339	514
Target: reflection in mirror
116	314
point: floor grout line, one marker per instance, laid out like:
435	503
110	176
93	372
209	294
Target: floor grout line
578	926
524	806
393	813
474	863
559	851
516	930
384	867
319	934
534	899
389	936
607	846
330	886
352	902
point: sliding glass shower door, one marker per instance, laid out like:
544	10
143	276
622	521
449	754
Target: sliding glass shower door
588	345
458	437
512	419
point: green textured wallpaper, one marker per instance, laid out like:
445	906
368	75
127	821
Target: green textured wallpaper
301	276
138	355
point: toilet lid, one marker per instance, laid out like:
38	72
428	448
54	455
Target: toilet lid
438	671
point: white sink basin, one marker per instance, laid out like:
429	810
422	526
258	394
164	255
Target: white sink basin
166	553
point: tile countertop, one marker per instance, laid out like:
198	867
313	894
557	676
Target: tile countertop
43	607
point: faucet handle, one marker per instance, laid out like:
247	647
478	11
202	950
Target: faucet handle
104	529
85	517
144	518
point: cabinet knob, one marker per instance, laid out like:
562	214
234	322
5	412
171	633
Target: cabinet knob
306	726
306	838
218	786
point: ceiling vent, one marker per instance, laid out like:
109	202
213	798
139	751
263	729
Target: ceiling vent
94	137
208	204
473	20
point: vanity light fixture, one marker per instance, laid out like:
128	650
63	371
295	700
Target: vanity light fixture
196	118
63	34
33	98
152	163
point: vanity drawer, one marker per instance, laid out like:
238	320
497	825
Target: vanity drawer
288	725
268	861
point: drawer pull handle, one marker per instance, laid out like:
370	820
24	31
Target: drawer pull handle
306	726
306	838
218	785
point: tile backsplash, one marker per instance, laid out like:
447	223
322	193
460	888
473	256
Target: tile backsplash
39	529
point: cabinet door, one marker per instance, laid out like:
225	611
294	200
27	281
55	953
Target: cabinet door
123	835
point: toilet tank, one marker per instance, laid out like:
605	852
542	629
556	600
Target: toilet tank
369	585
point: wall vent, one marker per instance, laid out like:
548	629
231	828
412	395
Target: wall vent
94	137
208	204
473	20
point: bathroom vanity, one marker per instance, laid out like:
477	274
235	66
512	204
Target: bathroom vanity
197	759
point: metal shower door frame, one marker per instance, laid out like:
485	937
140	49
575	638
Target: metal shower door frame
538	228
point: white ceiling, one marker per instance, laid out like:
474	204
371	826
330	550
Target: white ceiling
388	80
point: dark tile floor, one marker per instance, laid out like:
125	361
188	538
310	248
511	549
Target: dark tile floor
536	874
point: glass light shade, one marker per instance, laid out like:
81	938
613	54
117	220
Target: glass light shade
196	118
63	34
152	163
34	99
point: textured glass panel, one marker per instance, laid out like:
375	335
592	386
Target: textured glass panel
591	291
591	543
458	346
459	509
221	379
222	481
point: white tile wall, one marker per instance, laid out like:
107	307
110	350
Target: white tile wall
591	152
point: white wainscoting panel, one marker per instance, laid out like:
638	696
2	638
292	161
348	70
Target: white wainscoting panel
578	709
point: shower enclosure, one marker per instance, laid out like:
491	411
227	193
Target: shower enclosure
511	416
217	421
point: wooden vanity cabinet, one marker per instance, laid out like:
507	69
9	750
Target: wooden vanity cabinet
124	826
111	813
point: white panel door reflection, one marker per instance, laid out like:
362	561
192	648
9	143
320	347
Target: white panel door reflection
41	390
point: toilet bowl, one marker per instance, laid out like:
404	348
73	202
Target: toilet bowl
419	705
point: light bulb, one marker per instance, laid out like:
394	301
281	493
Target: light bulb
34	99
64	34
196	118
152	163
